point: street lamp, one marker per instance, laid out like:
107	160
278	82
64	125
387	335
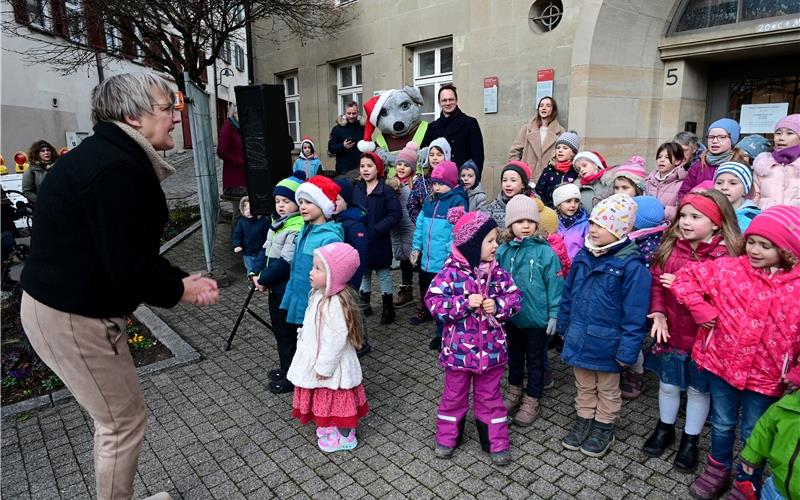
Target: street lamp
225	72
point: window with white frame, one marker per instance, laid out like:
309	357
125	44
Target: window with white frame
291	89
348	84
39	13
239	56
73	14
113	39
433	67
225	53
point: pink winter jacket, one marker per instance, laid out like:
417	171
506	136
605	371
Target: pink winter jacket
666	190
756	338
774	183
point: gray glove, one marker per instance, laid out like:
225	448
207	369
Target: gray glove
551	327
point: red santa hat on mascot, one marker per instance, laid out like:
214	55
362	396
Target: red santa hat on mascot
373	108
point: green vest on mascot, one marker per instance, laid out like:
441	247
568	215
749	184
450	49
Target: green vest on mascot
393	119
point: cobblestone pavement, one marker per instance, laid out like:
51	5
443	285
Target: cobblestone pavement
182	185
215	432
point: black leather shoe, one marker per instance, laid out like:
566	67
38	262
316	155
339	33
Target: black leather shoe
661	439
365	349
275	375
280	386
688	450
436	344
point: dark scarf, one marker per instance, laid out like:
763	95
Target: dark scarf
569	221
234	122
447	120
712	159
787	155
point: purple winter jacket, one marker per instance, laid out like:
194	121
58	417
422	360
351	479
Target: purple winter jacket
472	340
575	235
700	171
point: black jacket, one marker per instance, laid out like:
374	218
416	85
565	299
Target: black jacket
355	234
383	214
98	230
464	135
346	159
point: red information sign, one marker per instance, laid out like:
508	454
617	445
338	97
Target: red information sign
544	75
491	81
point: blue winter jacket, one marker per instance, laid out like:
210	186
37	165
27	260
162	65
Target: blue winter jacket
534	267
355	235
434	234
250	234
746	213
603	314
383	215
313	236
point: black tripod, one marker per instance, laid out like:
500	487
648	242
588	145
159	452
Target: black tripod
246	309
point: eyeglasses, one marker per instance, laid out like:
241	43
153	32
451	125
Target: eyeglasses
447	100
718	138
177	103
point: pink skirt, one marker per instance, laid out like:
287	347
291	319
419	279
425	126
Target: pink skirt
330	408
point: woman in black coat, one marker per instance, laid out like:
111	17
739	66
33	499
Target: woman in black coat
383	214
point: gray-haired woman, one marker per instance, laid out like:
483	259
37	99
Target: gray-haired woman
95	258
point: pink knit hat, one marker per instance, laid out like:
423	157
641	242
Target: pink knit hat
780	224
445	173
409	154
633	169
341	263
469	230
792	122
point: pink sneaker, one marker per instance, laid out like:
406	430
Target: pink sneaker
336	442
324	431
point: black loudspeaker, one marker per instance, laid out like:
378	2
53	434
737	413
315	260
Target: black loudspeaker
266	142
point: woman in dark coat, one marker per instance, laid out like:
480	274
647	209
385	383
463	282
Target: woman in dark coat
383	214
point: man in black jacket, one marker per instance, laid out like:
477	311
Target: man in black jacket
95	257
344	137
461	131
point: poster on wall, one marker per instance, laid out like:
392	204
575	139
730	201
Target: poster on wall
544	84
761	118
490	85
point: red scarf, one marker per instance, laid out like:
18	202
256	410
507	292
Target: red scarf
405	180
590	179
563	166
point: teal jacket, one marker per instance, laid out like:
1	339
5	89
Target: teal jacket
776	439
313	236
534	266
434	233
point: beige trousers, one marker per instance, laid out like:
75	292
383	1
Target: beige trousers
92	358
598	396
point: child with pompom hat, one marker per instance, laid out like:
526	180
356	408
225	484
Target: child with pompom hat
472	295
777	174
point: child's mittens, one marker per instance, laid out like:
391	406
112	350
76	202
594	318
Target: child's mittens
551	327
237	249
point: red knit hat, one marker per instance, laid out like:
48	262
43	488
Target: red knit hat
521	168
780	224
373	108
320	191
376	160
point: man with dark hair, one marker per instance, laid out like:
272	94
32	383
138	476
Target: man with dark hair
348	130
461	131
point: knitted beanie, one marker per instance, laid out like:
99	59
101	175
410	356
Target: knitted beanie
792	122
571	139
376	160
469	230
742	172
320	191
592	156
346	186
616	214
443	145
409	154
780	224
633	170
288	186
565	192
341	263
521	207
446	173
521	168
470	165
754	145
730	126
548	217
649	212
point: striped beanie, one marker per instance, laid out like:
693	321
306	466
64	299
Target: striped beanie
288	186
633	170
780	224
739	170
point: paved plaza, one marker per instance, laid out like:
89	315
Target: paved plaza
215	431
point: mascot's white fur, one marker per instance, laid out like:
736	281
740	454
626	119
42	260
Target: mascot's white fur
393	119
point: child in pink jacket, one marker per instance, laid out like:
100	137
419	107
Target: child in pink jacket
472	295
666	179
777	174
748	309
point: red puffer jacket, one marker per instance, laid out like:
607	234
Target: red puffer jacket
682	328
756	338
